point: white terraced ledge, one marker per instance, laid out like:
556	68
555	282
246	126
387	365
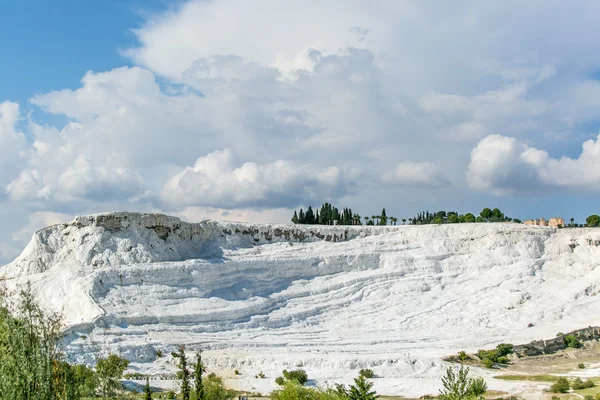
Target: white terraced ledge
329	299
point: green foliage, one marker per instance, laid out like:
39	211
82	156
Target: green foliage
292	390
198	381
477	387
236	372
588	397
109	371
326	215
260	375
572	341
367	373
214	389
498	355
170	394
560	386
184	374
298	375
280	380
460	386
159	353
147	391
29	350
361	390
581	366
462	356
578	384
452	217
593	220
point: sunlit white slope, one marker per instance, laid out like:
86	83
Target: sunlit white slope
329	299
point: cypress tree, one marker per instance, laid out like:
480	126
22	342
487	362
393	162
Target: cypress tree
295	218
147	391
185	374
301	219
317	216
309	216
199	386
383	220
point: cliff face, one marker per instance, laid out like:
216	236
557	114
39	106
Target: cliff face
135	238
327	298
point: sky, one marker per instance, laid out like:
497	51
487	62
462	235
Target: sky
245	110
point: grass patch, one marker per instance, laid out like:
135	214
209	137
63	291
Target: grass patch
528	378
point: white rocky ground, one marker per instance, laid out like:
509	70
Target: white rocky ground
331	300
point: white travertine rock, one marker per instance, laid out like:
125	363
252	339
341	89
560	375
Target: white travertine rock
330	299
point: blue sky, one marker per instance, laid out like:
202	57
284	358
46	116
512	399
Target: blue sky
52	44
246	110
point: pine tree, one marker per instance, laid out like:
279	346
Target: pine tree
301	219
147	391
184	374
317	216
361	390
295	218
199	386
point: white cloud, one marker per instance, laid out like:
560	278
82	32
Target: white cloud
215	181
418	174
504	166
12	142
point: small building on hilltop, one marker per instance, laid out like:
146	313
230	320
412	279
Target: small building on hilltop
556	222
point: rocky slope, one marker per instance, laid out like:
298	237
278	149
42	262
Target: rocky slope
329	299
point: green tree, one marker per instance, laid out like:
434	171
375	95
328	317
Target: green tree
110	370
460	386
147	391
486	214
453	219
383	217
184	374
295	217
214	389
198	371
361	390
497	215
298	375
593	220
560	386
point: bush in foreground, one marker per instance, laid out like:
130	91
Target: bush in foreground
458	386
560	386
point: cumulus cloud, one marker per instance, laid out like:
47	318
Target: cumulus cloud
12	141
215	181
418	174
504	166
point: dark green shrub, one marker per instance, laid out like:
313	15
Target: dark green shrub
462	356
488	363
236	372
298	375
504	349
572	342
260	376
503	360
578	384
170	395
174	355
560	386
367	373
280	380
588	397
581	365
159	353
